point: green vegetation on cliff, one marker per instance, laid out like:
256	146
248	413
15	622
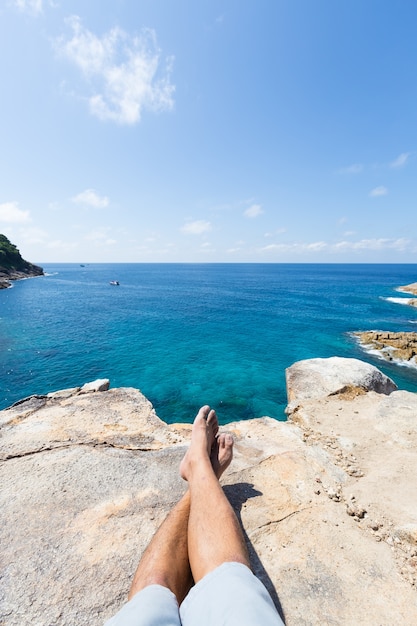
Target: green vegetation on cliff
10	258
12	265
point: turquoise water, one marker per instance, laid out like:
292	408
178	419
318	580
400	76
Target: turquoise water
187	335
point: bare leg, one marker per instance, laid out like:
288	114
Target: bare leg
165	561
214	533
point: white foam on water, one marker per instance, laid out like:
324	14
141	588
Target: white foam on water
399	300
380	355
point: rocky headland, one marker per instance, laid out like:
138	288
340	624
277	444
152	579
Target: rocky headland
13	266
392	346
400	347
327	499
412	288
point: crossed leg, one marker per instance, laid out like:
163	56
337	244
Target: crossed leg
200	539
214	533
166	561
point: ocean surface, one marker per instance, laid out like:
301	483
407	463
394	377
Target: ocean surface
188	335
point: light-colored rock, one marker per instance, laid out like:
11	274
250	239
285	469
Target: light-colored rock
101	384
412	288
318	378
327	502
391	346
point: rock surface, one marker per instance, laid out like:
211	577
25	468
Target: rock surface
412	288
317	378
391	346
327	501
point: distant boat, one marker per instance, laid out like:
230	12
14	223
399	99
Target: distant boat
114	283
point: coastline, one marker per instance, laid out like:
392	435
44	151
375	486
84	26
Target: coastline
8	277
326	498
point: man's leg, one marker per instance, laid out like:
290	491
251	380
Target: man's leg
226	591
165	561
214	533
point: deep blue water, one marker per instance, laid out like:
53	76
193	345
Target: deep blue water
188	335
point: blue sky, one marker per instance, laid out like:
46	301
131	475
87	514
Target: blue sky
209	131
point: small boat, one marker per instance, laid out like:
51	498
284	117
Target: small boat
114	283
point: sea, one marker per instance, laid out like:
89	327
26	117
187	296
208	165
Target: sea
194	334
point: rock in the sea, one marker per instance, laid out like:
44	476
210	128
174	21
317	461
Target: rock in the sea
412	288
390	346
327	503
318	378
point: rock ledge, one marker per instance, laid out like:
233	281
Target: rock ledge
327	500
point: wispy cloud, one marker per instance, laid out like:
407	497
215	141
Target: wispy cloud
124	71
11	214
315	246
278	231
355	168
400	161
34	235
59	244
90	197
100	237
31	6
378	191
253	211
372	244
196	228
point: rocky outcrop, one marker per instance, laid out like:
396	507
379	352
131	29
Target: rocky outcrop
327	501
391	346
13	266
318	378
412	288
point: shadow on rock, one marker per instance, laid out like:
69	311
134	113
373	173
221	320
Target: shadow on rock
237	495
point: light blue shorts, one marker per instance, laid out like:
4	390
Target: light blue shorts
231	594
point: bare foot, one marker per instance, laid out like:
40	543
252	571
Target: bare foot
203	438
221	453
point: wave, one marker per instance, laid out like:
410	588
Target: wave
399	300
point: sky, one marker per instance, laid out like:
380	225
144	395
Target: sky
209	131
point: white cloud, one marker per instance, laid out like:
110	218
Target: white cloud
196	228
100	237
278	231
294	247
378	191
355	168
91	198
32	6
374	244
400	161
11	214
34	235
123	70
253	211
58	244
400	245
